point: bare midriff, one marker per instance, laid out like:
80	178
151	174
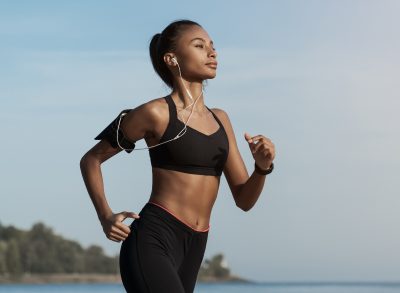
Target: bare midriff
188	197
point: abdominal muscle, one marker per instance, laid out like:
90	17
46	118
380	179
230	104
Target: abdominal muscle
190	197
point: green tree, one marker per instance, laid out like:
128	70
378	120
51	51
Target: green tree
96	261
216	267
13	260
3	265
39	250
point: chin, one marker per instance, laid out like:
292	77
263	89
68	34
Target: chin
210	76
204	75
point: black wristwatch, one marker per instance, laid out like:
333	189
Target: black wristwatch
262	171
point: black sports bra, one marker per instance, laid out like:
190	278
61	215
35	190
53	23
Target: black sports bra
194	152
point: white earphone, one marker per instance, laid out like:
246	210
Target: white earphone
183	129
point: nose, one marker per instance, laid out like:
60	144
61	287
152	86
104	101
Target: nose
213	52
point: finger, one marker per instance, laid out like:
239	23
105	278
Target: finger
117	231
247	136
259	137
261	147
258	147
123	227
116	236
130	215
267	143
112	238
250	139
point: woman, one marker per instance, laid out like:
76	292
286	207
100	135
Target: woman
163	248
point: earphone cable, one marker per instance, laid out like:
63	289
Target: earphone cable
183	129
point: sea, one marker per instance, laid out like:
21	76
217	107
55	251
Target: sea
332	287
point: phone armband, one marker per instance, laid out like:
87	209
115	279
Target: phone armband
110	134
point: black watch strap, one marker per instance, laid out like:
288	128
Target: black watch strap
261	171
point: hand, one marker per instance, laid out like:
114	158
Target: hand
113	227
263	151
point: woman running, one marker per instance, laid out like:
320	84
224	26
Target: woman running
162	249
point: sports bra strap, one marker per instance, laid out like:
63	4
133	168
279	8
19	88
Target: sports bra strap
171	107
216	118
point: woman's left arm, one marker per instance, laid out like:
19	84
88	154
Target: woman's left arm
245	189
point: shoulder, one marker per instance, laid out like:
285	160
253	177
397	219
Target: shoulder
225	120
156	103
145	118
222	115
152	110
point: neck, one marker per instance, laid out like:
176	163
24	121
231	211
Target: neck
180	94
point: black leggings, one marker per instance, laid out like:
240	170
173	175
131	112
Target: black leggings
162	253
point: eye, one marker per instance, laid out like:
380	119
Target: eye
201	46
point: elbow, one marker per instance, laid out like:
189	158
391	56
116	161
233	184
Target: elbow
240	201
243	207
83	162
86	160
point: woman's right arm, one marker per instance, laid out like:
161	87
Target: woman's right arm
136	124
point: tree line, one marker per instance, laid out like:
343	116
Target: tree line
40	250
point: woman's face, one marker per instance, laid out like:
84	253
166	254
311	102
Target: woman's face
196	54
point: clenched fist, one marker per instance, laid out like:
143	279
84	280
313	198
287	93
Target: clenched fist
263	151
113	227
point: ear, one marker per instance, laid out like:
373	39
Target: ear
168	59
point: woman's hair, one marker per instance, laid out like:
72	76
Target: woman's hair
166	42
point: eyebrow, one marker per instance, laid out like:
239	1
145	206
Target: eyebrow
201	39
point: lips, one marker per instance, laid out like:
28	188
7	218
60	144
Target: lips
213	64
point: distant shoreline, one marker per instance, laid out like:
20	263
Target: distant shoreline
92	278
60	278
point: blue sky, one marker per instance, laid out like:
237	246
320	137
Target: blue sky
319	78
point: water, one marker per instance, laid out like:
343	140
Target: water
218	288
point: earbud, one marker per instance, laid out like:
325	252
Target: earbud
174	60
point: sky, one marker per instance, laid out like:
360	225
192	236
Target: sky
319	78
